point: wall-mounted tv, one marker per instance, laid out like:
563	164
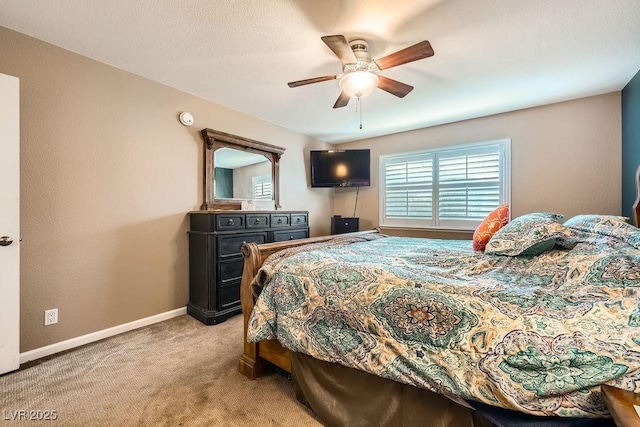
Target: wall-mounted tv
340	168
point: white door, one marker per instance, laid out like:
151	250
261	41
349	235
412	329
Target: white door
9	223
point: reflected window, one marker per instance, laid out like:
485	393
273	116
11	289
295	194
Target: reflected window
262	187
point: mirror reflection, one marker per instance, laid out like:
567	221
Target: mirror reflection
242	175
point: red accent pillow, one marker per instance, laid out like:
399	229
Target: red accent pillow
487	228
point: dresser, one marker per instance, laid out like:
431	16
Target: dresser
215	261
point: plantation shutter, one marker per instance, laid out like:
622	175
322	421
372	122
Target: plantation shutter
409	187
450	188
262	187
469	184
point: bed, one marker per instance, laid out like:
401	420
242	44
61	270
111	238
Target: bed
530	334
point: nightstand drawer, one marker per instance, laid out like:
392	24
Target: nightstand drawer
341	225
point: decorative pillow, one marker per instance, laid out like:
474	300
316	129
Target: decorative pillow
487	228
529	234
607	225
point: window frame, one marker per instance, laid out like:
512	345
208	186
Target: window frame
504	149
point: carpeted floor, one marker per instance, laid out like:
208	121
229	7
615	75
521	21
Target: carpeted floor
174	373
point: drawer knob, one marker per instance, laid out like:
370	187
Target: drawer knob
257	221
279	220
298	220
346	223
230	222
290	237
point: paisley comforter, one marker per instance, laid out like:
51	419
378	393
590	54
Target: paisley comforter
534	334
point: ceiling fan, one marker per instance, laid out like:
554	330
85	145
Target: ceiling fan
360	73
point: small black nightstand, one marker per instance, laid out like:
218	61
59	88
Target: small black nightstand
341	224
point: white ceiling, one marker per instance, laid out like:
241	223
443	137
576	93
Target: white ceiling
230	159
491	56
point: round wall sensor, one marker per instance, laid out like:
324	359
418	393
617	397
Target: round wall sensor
186	118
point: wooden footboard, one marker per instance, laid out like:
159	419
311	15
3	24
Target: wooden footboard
254	359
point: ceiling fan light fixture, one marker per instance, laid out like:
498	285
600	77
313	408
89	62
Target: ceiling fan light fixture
358	84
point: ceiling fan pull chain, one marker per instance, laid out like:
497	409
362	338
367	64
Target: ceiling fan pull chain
360	102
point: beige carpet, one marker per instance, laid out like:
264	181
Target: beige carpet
175	373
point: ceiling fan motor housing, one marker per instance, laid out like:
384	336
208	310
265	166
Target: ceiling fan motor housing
360	47
361	51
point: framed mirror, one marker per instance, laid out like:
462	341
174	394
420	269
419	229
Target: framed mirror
238	169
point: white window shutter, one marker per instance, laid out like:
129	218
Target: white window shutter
454	187
408	183
262	187
469	185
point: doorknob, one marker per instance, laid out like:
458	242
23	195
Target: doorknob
5	241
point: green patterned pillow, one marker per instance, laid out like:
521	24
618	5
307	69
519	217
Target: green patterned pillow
607	225
529	234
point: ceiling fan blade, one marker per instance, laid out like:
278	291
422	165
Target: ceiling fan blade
394	87
412	53
340	46
313	80
342	100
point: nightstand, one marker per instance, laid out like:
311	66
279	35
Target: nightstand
341	224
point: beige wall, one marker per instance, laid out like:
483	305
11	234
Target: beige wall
566	157
108	175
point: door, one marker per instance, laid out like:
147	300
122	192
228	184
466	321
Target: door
9	223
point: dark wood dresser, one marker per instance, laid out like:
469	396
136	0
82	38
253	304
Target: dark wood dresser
215	262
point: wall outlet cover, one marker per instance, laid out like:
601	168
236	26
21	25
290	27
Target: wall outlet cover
50	317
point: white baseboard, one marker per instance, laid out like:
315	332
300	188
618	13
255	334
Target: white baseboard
98	335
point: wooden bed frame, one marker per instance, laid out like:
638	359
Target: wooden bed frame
253	361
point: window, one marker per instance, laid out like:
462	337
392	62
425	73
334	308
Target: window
262	187
451	188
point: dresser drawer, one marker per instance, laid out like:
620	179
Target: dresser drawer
280	220
257	220
228	295
299	219
229	222
229	270
279	236
230	245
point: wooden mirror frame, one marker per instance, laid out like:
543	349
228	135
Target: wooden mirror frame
214	140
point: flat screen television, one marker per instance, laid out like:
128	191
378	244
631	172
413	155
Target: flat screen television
340	168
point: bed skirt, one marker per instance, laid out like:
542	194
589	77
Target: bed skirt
343	396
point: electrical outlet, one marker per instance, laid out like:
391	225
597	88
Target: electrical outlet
50	317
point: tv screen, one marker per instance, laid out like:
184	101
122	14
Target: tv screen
341	168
